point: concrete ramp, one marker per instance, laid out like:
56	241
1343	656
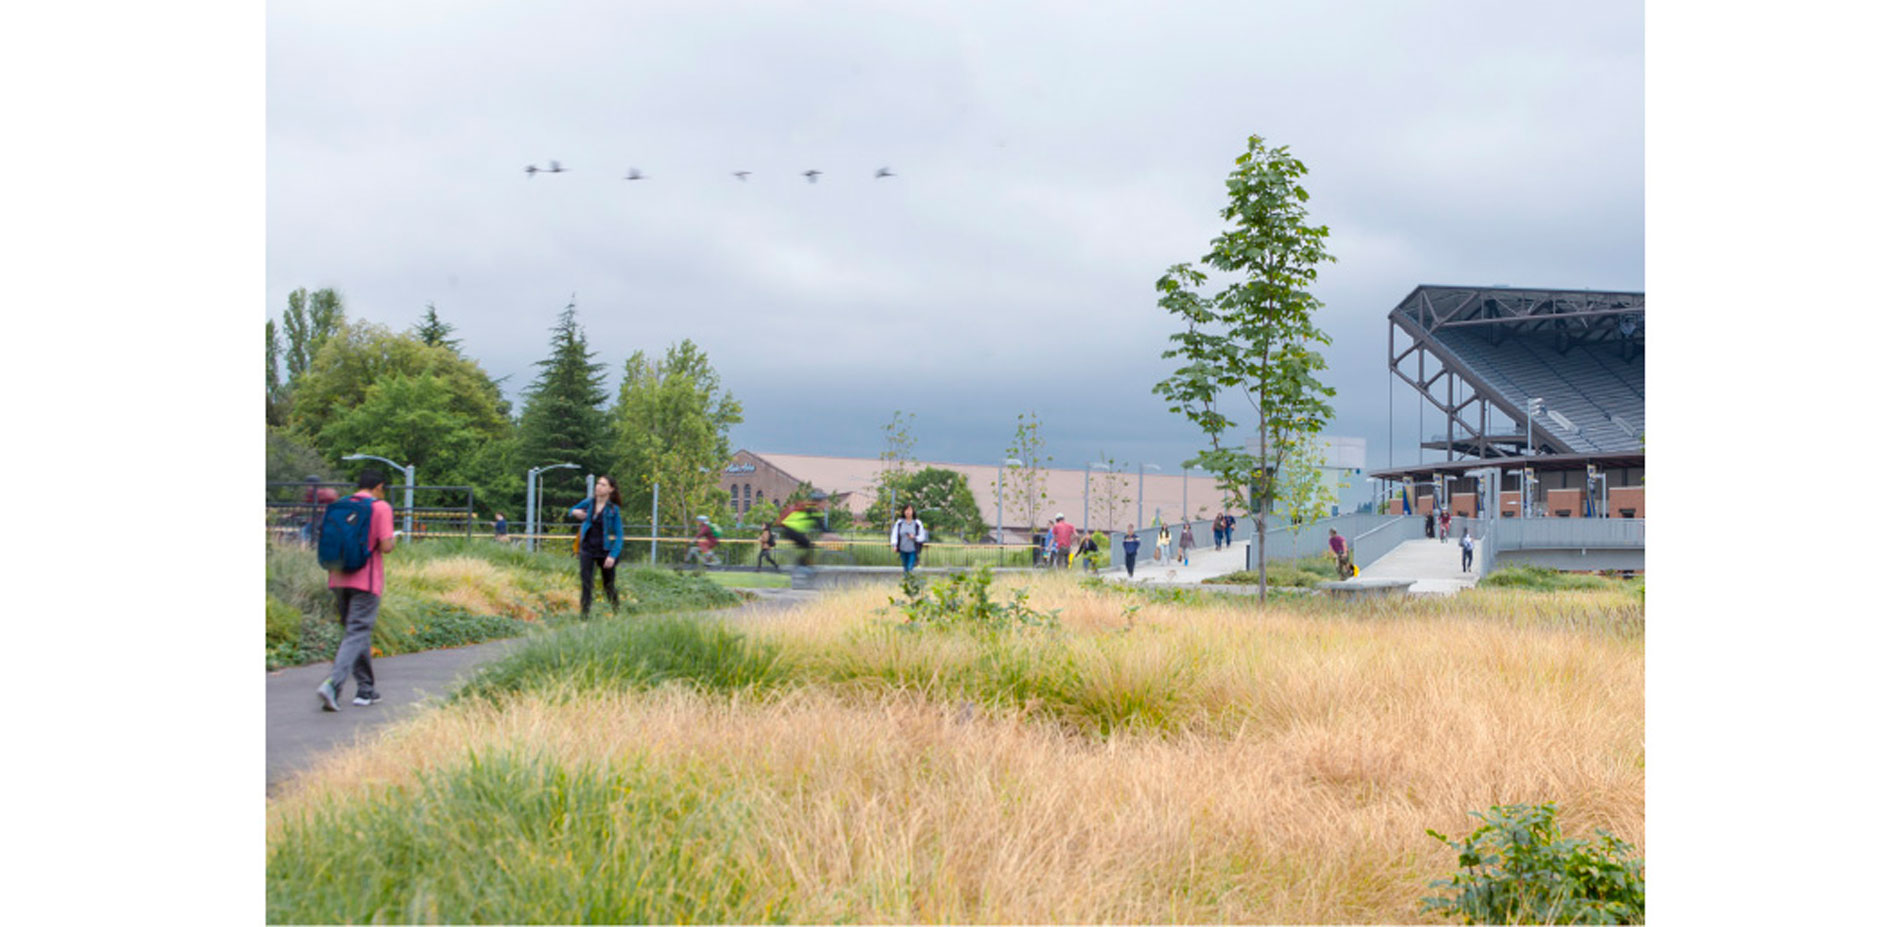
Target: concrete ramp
1431	565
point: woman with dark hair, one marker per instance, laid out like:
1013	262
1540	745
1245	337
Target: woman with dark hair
908	537
600	540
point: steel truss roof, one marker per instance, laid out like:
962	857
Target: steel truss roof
1563	320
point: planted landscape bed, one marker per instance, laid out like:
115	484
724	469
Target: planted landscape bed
447	593
1033	750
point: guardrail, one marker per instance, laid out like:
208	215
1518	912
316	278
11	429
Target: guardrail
1568	533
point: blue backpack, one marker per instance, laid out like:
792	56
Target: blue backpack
344	543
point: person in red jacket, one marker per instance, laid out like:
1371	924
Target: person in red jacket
1064	534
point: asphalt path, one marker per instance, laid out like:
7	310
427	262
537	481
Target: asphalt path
297	730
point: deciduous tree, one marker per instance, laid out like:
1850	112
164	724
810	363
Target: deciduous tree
672	425
1256	336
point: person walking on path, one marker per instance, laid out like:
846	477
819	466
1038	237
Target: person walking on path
1187	540
1444	525
1131	545
358	595
501	527
1464	551
1063	534
1341	556
908	537
1220	530
600	540
1228	520
766	542
1429	521
1162	540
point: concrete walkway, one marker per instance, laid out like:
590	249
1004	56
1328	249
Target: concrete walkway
297	729
1432	565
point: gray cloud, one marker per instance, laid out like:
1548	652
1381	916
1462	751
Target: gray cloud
1052	160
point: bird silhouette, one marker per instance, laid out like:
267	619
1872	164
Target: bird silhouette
741	175
883	172
531	170
634	174
554	167
811	176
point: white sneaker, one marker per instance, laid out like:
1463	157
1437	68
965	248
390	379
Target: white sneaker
327	692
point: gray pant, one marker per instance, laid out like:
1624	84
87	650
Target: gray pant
358	611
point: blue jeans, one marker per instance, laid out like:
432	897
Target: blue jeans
909	558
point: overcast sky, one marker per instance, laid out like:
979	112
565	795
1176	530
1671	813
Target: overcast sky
1051	161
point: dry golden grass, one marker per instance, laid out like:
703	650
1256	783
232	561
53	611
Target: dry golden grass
1312	754
483	588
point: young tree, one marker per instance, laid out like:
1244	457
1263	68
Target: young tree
1109	488
435	333
896	464
1304	493
561	416
1257	334
672	425
1026	488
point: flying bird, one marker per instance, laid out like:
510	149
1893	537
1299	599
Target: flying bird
811	176
883	172
554	167
634	174
741	175
531	170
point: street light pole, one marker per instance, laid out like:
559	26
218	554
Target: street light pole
408	491
534	500
1141	474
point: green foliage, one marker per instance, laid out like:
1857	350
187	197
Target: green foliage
439	423
1256	335
632	654
1303	492
962	600
1304	573
671	425
762	512
1518	868
1547	579
435	333
310	321
508	838
1026	488
562	420
273	386
942	497
289	459
361	355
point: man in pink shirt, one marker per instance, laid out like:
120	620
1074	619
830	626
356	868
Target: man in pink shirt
357	596
1064	536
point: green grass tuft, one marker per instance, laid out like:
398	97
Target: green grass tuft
637	654
508	839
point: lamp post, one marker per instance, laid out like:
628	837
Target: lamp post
1140	501
408	490
1007	462
534	499
1097	465
1184	479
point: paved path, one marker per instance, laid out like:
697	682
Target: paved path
297	729
1432	565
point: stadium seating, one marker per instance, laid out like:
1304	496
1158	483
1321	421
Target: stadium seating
1588	384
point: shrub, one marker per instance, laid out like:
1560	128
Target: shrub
1518	868
963	600
634	654
1547	579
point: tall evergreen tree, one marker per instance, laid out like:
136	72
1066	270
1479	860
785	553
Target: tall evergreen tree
435	332
562	419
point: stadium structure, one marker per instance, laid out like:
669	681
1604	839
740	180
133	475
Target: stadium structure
1542	397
